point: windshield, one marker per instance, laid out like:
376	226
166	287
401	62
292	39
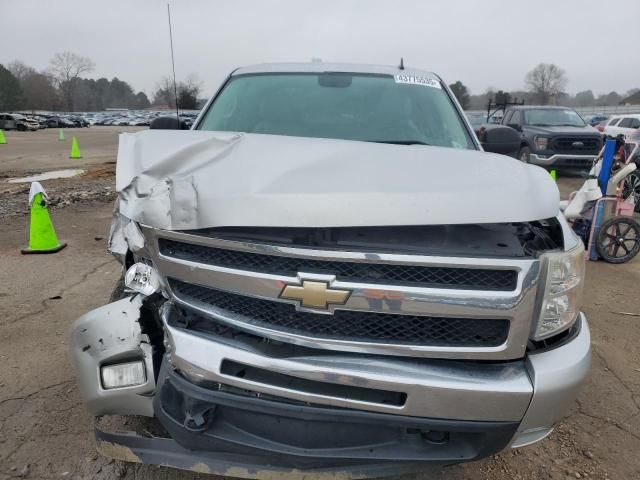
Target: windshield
373	108
553	117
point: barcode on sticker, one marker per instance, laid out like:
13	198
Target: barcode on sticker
417	80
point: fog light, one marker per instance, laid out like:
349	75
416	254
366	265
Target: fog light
123	375
142	278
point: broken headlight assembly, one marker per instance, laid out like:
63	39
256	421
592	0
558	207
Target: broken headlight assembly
142	278
562	291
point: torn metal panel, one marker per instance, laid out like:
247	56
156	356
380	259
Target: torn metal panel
124	236
107	335
181	180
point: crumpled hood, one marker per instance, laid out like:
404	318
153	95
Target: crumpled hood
182	180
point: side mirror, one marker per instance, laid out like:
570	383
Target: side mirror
168	123
515	126
499	139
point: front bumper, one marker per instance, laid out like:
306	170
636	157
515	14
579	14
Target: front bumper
294	435
481	407
562	160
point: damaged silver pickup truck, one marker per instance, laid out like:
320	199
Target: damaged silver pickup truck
328	276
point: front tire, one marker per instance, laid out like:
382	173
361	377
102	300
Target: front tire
524	155
632	188
618	240
21	128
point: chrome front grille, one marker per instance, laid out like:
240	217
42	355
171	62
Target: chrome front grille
378	273
347	325
464	308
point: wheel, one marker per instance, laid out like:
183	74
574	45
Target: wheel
524	154
632	187
618	239
21	128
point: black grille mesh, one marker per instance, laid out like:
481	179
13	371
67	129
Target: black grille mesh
349	325
583	146
441	277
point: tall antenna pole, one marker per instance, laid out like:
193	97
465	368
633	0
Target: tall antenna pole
173	65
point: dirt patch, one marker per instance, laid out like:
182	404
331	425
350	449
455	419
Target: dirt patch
96	186
107	171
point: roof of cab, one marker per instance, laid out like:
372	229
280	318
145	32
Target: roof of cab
321	67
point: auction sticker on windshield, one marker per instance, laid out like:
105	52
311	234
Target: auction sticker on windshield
417	80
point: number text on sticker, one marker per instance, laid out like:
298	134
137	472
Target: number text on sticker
417	80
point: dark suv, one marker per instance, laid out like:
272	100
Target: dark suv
554	136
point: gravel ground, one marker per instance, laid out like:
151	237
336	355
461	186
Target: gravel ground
14	200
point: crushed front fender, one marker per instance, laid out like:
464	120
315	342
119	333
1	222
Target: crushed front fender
108	335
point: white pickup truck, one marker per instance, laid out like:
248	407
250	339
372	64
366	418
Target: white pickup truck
328	275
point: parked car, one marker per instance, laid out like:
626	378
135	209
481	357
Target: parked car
36	123
622	125
476	119
600	126
52	122
15	121
328	277
42	121
65	123
554	137
7	122
79	122
597	119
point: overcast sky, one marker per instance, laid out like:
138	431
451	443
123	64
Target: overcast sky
483	43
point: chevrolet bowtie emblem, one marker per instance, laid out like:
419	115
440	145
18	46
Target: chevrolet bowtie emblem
314	294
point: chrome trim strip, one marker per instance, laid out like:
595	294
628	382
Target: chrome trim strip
491	392
516	306
336	255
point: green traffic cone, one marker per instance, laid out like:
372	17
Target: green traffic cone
60	135
75	150
553	175
2	139
42	235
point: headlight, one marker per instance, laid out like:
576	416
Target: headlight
562	291
541	143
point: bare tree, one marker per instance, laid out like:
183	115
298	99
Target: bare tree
163	94
545	82
188	92
66	68
20	70
39	92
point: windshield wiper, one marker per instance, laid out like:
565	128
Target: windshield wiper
400	142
